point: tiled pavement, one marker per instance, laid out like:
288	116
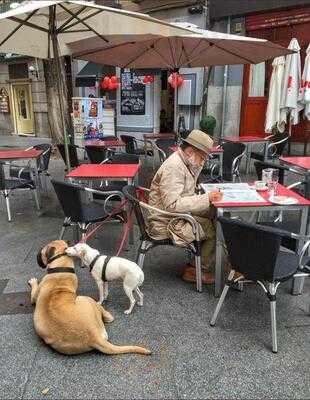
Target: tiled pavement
190	359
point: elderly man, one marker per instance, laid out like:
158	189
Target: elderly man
174	189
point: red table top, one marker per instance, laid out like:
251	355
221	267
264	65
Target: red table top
105	143
15	154
282	191
214	149
245	139
158	136
104	171
302	162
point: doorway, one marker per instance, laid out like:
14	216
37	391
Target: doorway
22	108
166	104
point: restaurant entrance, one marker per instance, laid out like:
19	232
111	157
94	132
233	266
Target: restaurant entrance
279	27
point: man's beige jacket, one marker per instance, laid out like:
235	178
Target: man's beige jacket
173	189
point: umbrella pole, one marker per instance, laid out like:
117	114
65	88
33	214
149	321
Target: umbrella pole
60	82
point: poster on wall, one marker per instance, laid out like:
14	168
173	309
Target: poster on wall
4	101
132	93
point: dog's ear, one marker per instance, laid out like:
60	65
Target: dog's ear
82	253
39	259
50	252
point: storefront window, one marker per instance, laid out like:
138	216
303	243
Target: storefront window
257	80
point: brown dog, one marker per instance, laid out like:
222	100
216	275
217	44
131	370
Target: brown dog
69	323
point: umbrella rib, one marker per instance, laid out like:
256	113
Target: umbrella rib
17	28
84	23
84	53
186	56
31	25
82	19
59	30
248	61
171	49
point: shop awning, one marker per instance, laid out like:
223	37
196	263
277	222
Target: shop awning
91	72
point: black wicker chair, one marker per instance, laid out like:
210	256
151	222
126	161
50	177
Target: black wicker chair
131	146
79	212
147	243
232	156
275	149
96	155
254	251
8	185
73	156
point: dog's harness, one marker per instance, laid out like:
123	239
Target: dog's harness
104	267
59	269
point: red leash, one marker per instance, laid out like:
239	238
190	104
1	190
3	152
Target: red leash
112	214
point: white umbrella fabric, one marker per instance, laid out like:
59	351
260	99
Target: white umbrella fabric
43	29
305	86
290	89
275	88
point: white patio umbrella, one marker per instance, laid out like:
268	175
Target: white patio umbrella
196	48
305	86
43	29
289	106
275	88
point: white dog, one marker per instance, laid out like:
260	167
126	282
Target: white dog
104	269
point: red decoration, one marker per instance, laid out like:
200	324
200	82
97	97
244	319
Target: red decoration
148	79
109	83
114	79
175	80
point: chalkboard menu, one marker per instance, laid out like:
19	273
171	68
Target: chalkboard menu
132	93
4	101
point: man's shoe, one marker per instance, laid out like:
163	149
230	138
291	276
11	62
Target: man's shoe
190	276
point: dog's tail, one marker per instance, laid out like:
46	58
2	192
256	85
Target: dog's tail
108	348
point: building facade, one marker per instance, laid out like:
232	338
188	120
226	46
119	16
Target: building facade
244	90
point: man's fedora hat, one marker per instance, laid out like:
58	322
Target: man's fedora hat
200	140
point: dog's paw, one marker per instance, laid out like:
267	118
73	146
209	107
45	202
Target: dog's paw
32	281
127	312
140	303
100	302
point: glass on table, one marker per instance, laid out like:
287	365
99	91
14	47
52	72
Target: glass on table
271	177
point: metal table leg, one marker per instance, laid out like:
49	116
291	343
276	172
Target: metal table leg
218	257
298	283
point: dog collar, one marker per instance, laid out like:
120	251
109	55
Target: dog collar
104	267
60	269
55	257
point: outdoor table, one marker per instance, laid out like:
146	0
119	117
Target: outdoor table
234	208
216	150
90	172
32	155
105	171
105	143
248	141
301	166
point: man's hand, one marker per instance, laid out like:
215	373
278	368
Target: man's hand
214	197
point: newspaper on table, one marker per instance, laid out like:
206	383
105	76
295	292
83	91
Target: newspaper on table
235	192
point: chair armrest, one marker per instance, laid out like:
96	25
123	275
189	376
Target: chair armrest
295	185
103	192
236	161
274	144
187	217
302	254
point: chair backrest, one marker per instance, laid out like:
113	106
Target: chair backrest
44	160
111	137
130	192
252	249
96	154
129	143
123	158
231	152
2	177
70	199
74	161
279	148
